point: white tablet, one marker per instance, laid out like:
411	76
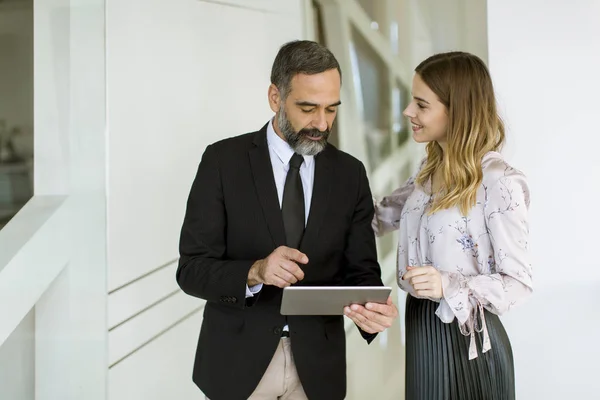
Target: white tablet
329	300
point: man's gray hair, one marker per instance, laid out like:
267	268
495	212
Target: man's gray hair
300	57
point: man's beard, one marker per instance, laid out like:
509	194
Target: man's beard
298	140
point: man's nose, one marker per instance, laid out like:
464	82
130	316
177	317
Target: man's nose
320	122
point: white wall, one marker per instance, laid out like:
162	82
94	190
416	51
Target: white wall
199	72
449	25
545	59
180	75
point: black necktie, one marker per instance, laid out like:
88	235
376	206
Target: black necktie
292	208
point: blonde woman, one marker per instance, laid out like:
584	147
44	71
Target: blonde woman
462	255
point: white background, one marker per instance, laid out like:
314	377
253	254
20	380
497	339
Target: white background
545	60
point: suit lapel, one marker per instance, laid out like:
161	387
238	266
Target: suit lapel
320	197
262	171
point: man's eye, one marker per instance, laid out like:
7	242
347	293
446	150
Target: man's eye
304	110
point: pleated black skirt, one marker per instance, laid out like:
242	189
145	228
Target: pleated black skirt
437	358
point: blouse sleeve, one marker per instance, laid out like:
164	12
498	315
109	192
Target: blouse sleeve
389	210
509	280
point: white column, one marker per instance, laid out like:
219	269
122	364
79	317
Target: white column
70	159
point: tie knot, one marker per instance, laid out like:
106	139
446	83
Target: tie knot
296	161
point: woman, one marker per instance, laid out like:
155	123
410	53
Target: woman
462	255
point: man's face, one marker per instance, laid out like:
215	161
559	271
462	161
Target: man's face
306	116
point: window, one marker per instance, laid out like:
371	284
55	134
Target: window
371	80
401	125
16	107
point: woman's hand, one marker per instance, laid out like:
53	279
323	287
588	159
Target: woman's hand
426	281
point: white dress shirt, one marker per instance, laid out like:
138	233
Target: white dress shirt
281	153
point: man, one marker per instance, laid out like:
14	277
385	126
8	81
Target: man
275	208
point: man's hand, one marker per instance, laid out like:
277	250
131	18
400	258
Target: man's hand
279	269
373	317
426	280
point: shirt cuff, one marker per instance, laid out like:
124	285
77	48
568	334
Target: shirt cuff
251	291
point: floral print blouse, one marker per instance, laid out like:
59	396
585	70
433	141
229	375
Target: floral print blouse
482	257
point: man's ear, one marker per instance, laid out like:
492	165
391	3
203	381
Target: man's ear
274	98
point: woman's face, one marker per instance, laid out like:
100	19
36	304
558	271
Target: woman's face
428	116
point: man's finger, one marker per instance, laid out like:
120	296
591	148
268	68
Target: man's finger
360	314
293	269
368	325
361	325
286	276
373	318
277	281
294	255
362	322
389	310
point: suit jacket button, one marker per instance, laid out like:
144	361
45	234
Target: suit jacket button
277	330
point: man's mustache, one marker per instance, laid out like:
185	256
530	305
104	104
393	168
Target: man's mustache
314	132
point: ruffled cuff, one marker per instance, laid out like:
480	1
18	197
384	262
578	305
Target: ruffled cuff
458	302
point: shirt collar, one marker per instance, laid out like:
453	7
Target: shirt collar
282	149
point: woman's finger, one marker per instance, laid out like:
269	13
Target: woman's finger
419	279
423	286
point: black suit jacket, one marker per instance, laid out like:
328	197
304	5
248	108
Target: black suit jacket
233	218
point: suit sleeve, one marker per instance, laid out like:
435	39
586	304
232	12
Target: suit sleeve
361	253
204	271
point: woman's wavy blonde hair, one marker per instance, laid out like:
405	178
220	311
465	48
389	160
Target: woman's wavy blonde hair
463	84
